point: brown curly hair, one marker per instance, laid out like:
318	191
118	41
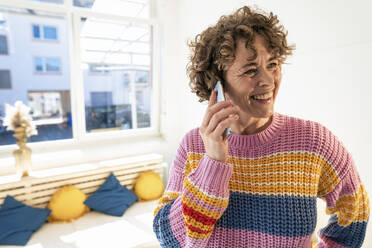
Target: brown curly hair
213	50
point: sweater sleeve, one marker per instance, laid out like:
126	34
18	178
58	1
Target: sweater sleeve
346	199
191	205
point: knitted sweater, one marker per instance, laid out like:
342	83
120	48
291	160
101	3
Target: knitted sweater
265	194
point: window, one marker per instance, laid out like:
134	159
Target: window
42	32
50	33
39	65
142	77
122	50
47	65
99	69
112	84
48	97
52	65
46	104
3	45
36	31
5	79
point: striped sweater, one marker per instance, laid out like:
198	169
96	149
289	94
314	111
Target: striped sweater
265	194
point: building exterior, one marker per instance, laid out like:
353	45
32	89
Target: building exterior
34	68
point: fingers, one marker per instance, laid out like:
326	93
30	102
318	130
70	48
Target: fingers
212	109
220	116
212	98
225	124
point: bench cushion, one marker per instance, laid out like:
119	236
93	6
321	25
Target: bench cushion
111	198
97	230
19	221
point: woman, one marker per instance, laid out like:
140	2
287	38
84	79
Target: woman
258	187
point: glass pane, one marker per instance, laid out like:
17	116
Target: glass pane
49	1
117	84
47	94
3	45
36	31
38	65
52	65
50	33
5	79
132	8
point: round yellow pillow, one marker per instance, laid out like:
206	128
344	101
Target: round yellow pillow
148	186
67	204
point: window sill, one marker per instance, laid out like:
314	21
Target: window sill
54	154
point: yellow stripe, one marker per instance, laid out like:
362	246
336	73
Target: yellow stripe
174	194
201	196
166	198
191	221
270	178
353	200
352	207
328	180
200	209
196	235
300	162
306	190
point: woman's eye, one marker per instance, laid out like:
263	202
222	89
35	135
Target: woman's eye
272	65
252	71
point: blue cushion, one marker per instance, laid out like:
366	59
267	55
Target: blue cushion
111	198
19	221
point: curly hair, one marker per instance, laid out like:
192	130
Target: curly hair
213	50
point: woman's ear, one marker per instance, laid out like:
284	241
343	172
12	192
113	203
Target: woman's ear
279	77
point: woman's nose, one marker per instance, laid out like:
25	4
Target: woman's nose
265	78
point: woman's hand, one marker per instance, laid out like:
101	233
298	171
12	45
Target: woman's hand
217	118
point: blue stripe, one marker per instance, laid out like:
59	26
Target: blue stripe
162	228
278	215
350	236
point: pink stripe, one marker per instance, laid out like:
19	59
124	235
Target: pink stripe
204	204
240	237
193	141
176	220
212	177
348	186
178	227
253	239
327	243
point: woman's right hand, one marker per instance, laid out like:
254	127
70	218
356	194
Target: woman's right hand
217	118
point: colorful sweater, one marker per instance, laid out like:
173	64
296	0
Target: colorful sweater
265	194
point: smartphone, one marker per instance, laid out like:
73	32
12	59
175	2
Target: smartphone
221	98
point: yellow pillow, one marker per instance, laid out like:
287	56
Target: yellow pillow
67	204
148	186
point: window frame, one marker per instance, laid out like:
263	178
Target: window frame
44	67
73	16
41	32
6	45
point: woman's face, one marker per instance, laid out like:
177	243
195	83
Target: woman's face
248	78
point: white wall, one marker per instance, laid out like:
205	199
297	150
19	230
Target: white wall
328	80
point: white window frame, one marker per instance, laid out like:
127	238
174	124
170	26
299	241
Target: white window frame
43	63
41	30
80	136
